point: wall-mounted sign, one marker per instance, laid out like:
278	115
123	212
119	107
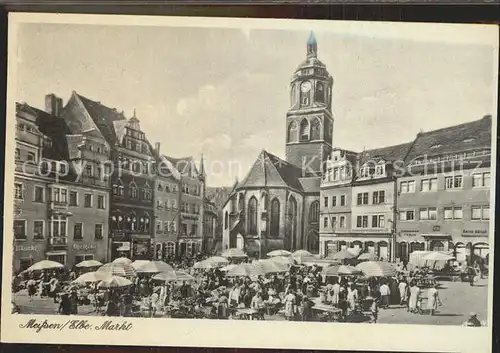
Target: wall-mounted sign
189	217
409	233
436	228
474	233
84	247
26	248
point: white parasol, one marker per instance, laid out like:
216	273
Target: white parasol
117	269
91	277
89	263
122	260
44	265
279	253
115	282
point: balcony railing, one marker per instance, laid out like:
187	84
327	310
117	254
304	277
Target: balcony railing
58	205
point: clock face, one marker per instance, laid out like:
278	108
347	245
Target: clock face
306	86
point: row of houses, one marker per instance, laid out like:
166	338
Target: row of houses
432	193
89	185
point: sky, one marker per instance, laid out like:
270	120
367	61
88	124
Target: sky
224	92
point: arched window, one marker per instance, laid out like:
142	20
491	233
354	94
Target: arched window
147	193
226	220
133	190
292	132
314	212
145	223
327	129
275	218
304	130
291	224
320	93
131	222
316	129
293	95
252	215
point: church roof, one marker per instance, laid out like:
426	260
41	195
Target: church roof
272	171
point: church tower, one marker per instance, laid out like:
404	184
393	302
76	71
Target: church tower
309	121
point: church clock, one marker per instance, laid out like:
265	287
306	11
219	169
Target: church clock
309	121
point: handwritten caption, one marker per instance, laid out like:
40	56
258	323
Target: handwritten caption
82	325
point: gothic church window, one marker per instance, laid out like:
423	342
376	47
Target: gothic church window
275	218
320	93
252	216
304	130
316	129
292	132
293	95
314	212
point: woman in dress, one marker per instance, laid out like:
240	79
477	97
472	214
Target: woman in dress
290	302
414	295
433	299
352	297
403	292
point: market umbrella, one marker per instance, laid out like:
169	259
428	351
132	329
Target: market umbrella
204	264
245	269
89	263
229	267
279	253
343	255
122	260
91	277
233	252
114	282
340	270
366	257
377	268
138	263
173	276
302	253
438	256
44	265
117	269
269	266
154	267
218	260
282	259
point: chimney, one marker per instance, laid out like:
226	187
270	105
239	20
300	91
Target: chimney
157	148
53	104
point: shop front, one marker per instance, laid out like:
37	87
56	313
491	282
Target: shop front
189	248
27	255
84	252
142	248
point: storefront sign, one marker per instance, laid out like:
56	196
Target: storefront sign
474	233
409	233
26	248
84	247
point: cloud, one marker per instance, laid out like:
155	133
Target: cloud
220	141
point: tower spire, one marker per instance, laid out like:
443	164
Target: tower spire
312	46
202	166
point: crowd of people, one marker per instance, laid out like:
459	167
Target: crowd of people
211	293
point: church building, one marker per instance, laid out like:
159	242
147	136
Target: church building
276	206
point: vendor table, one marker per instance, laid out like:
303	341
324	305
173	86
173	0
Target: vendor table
332	312
245	314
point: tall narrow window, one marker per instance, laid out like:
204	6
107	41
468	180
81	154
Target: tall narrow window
252	216
316	129
275	218
304	130
320	93
314	212
293	132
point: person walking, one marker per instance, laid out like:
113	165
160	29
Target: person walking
403	294
414	296
433	299
289	302
352	297
385	294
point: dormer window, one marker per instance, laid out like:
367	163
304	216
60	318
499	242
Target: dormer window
380	169
365	172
